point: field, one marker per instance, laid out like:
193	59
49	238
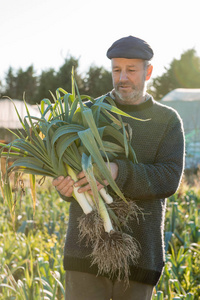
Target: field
31	255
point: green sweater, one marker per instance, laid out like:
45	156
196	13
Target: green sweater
159	147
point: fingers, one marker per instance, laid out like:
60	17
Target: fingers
81	182
81	174
88	188
64	185
84	186
57	180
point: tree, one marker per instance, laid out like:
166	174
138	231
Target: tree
48	81
98	81
64	74
26	83
182	73
20	83
10	88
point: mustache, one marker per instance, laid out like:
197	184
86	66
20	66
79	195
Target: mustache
127	83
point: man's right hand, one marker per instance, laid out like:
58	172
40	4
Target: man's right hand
64	185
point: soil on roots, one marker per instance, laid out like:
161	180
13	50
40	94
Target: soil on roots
90	227
113	253
125	212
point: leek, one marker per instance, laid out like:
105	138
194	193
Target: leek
80	197
70	137
107	197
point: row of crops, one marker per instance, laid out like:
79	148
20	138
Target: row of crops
31	256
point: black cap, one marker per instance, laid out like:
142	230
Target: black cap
130	47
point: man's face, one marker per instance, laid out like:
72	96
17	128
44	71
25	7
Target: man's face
129	76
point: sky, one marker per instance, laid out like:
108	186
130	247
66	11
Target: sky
43	33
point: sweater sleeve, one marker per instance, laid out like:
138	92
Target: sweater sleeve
161	178
67	199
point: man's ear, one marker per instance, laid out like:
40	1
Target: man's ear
149	72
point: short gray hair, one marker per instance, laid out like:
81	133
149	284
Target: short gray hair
146	64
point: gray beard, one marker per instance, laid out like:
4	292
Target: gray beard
134	97
137	94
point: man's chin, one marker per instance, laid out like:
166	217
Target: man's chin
123	96
127	98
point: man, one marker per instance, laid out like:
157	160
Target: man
159	147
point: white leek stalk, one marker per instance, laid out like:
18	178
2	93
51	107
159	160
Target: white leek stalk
105	216
80	197
108	199
89	199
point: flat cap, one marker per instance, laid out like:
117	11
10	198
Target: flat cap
130	47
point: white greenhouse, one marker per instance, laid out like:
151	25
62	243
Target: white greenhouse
187	104
9	118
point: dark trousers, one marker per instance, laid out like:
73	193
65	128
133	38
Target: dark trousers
84	286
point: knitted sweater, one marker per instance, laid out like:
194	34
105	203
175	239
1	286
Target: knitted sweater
159	147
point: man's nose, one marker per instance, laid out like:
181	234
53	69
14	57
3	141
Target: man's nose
123	76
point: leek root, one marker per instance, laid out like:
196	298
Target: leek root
113	253
125	212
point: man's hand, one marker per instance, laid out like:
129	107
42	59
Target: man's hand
85	186
65	185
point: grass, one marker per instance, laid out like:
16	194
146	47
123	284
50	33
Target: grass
181	277
31	257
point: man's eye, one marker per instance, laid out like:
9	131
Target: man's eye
132	70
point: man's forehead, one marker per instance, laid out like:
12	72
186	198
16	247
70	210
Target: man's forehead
126	62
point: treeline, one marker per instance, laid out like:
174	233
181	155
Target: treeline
181	73
96	82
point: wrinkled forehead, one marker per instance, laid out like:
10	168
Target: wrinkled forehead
124	62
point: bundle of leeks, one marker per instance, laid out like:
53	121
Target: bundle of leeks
70	137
